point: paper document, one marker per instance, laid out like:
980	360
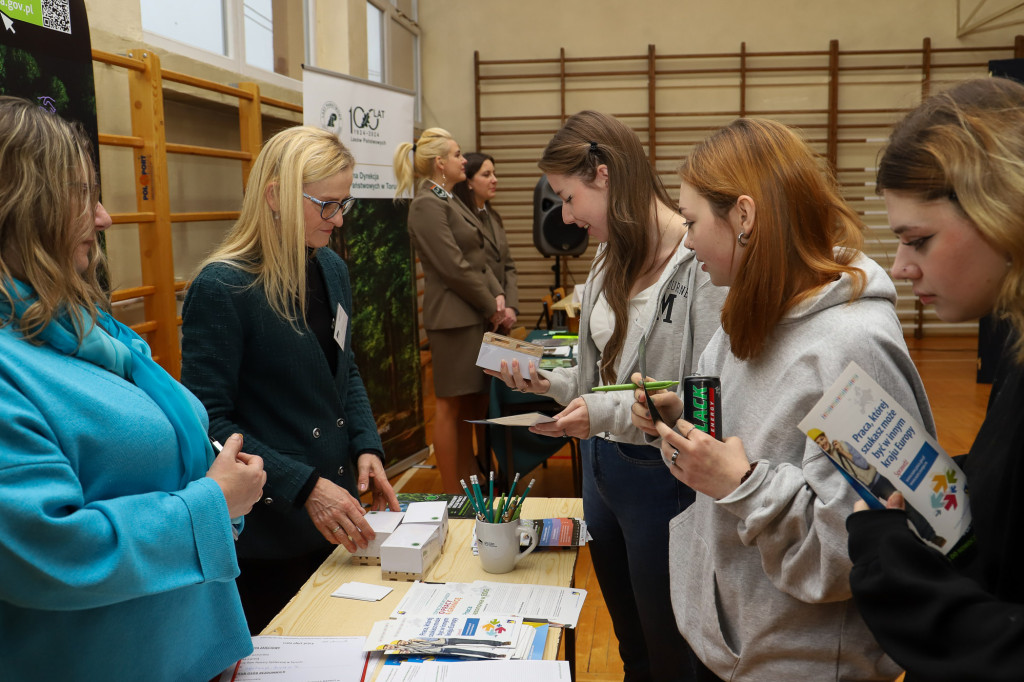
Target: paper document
300	659
527	419
880	449
475	671
559	605
362	591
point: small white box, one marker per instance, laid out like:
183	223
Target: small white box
409	552
496	348
429	513
383	524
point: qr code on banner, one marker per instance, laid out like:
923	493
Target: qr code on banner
56	15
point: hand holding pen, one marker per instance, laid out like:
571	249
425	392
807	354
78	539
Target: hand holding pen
668	404
240	476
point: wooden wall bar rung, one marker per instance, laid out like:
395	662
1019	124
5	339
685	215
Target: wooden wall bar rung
281	104
186	79
215	152
200	216
120	140
141	217
133	292
117	60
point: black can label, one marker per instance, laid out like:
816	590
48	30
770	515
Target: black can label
702	404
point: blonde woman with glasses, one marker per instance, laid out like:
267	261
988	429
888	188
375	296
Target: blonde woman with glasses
259	348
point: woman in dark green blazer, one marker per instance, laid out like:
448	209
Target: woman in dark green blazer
267	347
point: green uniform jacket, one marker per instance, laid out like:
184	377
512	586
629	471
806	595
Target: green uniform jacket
259	377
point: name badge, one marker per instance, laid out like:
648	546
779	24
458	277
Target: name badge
340	327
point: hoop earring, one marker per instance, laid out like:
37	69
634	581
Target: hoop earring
743	238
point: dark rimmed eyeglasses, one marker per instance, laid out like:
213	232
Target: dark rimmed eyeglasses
329	209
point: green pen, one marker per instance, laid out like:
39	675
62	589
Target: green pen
650	386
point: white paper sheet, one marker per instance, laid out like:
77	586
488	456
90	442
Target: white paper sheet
362	591
300	659
527	419
475	671
560	605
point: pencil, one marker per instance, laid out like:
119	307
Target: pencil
511	492
519	502
479	495
472	501
490	500
650	386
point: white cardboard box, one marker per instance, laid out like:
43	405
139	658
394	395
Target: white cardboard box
429	513
383	524
494	348
409	552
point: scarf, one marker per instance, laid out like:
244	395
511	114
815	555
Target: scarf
116	348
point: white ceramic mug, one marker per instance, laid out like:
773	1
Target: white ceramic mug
498	544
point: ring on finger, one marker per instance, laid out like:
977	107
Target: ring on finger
688	432
336	529
675	455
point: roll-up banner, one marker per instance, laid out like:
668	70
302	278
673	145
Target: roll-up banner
371	119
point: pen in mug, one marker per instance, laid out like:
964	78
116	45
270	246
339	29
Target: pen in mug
650	386
217	447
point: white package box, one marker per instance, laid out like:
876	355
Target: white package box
494	348
430	513
383	524
410	552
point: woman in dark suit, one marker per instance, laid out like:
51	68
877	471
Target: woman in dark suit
477	191
461	296
267	348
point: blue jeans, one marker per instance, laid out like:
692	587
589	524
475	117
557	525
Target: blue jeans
628	499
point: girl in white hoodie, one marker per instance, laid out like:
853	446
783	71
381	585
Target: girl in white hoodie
643	282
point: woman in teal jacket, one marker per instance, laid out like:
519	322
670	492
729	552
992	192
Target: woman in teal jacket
267	347
116	551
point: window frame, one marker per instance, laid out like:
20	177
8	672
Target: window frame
392	15
234	39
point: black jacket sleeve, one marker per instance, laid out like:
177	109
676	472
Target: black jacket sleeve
934	621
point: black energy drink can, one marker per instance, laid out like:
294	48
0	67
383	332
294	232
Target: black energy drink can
702	404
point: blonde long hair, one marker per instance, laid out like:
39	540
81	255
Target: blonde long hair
966	145
47	199
434	142
273	247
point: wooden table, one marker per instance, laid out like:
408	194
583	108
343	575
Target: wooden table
314	612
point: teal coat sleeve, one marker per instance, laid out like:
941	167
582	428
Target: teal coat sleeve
100	540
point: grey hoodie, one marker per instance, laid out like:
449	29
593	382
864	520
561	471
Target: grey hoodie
760	578
678	322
